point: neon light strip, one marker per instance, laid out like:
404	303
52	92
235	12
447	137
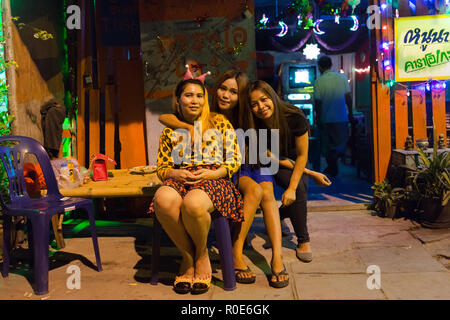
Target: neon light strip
355	23
316	27
284	29
4	99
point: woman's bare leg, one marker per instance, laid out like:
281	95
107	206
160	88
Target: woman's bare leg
273	227
167	204
196	211
252	192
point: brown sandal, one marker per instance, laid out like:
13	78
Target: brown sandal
200	286
182	284
241	279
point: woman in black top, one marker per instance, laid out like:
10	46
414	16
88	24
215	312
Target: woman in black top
268	111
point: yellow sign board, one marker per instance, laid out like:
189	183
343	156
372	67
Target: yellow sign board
422	48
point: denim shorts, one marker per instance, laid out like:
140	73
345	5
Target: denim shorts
258	175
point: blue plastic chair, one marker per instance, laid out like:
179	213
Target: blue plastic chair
223	237
39	211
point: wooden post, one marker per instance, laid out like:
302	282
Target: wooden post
381	116
109	123
9	56
384	130
439	115
419	113
82	52
401	117
94	122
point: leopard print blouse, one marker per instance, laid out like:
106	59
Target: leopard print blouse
219	146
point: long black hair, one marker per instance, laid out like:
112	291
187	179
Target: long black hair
242	83
282	110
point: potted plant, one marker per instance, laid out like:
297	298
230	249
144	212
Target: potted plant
432	182
386	199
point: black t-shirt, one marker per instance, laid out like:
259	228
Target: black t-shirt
298	126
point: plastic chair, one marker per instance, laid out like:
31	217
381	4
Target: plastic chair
223	237
39	211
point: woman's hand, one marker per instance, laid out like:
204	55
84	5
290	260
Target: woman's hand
183	176
287	164
320	179
208	174
288	197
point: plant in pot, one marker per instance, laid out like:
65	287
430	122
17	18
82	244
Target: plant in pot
432	182
386	199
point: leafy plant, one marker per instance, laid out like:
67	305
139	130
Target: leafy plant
431	178
385	196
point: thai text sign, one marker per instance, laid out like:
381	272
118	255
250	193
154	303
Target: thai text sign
422	48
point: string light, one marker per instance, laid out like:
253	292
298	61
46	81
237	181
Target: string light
428	85
363	70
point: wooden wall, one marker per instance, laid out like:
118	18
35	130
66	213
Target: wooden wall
38	76
111	115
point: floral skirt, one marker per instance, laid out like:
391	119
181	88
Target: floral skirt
223	194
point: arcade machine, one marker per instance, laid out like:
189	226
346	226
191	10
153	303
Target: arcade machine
296	86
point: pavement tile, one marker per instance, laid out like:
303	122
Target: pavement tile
429	235
335	287
344	263
330	242
400	259
439	248
366	237
416	286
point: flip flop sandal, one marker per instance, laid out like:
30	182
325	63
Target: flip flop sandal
240	278
200	286
279	284
182	285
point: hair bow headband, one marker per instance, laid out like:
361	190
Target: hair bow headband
189	75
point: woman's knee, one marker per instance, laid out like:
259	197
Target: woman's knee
194	207
166	200
268	194
254	194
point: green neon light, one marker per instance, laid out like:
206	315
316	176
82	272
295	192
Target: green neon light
3	97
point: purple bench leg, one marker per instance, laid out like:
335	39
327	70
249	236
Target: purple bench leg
90	212
6	244
41	238
223	238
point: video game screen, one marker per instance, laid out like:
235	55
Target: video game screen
300	77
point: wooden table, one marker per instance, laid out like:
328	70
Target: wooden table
123	183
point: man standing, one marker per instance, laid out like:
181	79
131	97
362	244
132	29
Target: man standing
333	106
